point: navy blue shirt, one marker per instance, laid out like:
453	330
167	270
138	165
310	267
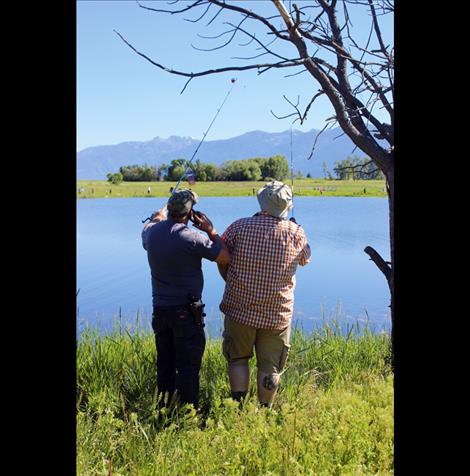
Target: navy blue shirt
174	253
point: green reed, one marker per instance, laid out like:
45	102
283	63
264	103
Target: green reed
333	413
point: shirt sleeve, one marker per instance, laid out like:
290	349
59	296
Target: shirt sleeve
305	255
145	234
305	252
205	248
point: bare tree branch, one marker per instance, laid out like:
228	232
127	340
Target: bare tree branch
235	30
215	16
339	135
300	117
173	12
380	263
251	15
377	30
295	74
347	20
202	16
280	64
248	42
310	105
343	55
317	136
265	66
339	93
352	168
262	46
283	117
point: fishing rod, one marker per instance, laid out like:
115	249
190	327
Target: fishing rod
233	80
205	134
292	174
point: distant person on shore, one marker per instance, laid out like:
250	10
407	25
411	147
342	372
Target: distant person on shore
259	291
174	253
148	190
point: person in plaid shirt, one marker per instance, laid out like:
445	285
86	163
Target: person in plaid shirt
258	299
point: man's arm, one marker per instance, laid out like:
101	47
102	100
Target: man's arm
223	268
306	254
157	216
223	258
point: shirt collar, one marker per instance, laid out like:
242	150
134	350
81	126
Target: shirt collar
262	213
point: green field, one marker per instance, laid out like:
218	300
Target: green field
302	187
333	413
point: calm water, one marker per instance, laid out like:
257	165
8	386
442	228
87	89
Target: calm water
340	283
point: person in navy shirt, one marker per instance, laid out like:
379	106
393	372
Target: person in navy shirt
175	252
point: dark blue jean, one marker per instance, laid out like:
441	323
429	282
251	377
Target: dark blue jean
180	343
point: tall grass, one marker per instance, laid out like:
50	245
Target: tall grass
333	413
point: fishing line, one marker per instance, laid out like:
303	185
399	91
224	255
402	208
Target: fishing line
205	134
292	172
233	80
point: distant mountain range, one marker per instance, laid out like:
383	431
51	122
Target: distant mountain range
332	145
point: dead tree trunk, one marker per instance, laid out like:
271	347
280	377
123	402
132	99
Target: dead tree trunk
387	268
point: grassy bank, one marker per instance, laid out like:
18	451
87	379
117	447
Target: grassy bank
333	413
303	187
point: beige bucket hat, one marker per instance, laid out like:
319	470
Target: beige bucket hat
275	198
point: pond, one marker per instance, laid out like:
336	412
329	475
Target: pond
340	283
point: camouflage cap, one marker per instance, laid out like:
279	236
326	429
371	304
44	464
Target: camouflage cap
275	198
181	202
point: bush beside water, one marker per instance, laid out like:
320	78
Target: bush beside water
333	413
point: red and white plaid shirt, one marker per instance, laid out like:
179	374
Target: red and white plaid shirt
259	290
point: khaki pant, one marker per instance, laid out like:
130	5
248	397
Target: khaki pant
272	346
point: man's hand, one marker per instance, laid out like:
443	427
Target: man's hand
202	222
159	215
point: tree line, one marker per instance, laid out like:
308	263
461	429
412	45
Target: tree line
355	168
254	169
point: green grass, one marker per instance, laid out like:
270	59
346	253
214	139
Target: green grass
333	413
303	187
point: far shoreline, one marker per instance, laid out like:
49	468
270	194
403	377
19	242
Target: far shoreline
313	187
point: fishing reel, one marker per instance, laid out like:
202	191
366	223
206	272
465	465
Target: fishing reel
150	218
197	310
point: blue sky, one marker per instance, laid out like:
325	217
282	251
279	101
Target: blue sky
121	97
